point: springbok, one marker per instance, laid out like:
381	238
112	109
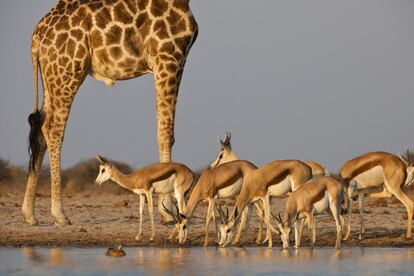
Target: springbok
315	197
226	153
275	179
222	181
377	174
160	178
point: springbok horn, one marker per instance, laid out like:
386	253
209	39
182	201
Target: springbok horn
227	214
101	159
218	210
178	212
169	212
280	218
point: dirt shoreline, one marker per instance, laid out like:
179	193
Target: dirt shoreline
107	219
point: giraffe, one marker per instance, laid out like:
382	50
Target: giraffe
110	40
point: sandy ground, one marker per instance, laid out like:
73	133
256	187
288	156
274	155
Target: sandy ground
105	220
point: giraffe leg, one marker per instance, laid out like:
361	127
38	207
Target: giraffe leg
31	187
167	76
56	106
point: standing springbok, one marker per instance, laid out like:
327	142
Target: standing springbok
222	181
160	178
275	179
315	197
378	174
226	153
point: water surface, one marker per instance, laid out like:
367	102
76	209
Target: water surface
213	261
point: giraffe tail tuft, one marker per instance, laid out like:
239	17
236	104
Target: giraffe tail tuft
35	121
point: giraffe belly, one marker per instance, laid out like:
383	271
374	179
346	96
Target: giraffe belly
109	71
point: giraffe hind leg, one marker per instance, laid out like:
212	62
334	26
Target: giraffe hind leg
31	187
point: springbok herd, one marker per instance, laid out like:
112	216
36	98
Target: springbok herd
308	186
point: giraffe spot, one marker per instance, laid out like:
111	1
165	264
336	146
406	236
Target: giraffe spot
142	4
131	42
158	7
96	38
121	14
160	28
167	47
50	34
176	22
62	24
171	67
132	5
143	24
71	47
103	56
61	40
183	43
113	36
163	74
77	18
103	18
127	62
172	81
94	6
63	61
76	34
81	52
181	5
116	52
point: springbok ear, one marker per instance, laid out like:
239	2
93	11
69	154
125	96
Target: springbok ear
101	159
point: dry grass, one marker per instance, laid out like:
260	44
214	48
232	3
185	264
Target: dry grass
76	179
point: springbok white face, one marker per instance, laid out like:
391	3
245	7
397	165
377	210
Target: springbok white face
182	228
181	223
226	153
226	227
104	170
285	229
226	233
409	167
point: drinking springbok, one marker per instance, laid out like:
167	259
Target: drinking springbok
377	174
222	181
275	179
160	178
314	197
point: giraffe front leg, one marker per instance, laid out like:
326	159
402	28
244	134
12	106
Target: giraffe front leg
31	187
167	80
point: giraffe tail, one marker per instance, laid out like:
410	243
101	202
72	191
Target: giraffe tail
35	119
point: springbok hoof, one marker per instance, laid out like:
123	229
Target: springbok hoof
63	221
138	237
361	237
32	221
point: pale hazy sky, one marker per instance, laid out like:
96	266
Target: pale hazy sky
313	80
